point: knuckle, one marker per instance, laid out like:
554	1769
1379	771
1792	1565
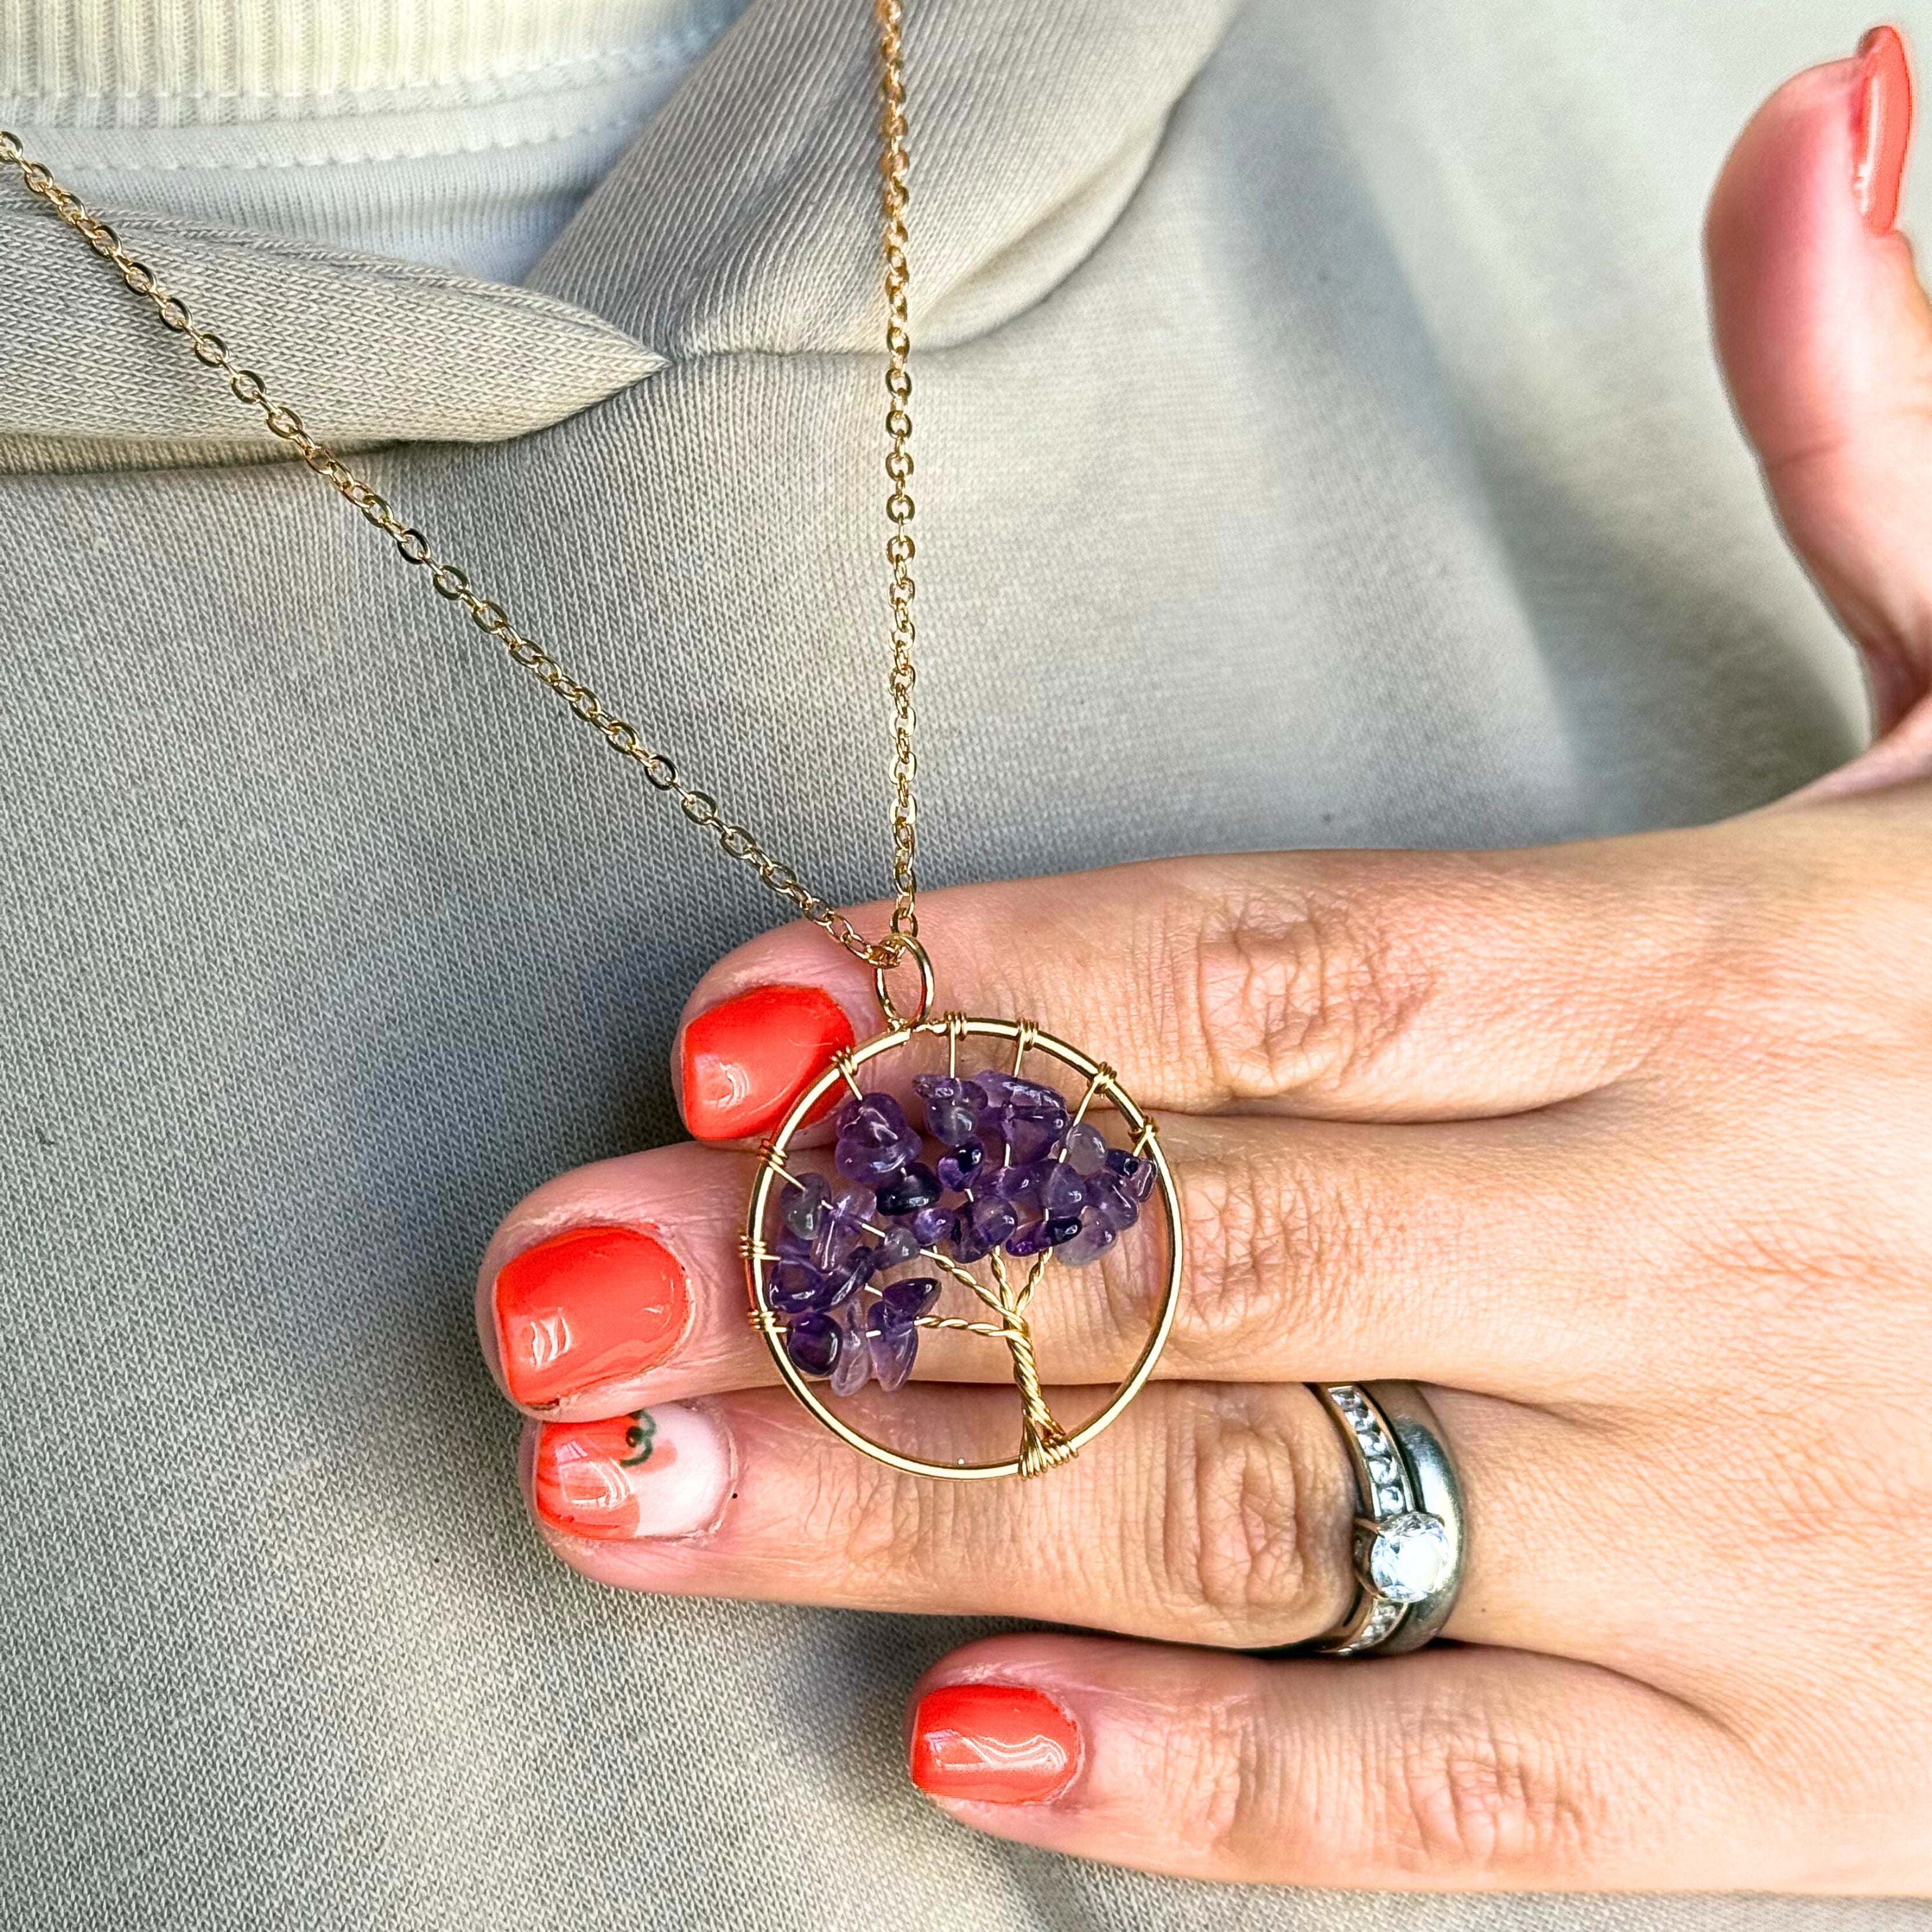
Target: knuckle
1230	1550
1269	1225
1232	1773
1455	1798
1280	988
885	1529
1472	1794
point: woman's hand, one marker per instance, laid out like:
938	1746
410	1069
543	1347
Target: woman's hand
1625	1149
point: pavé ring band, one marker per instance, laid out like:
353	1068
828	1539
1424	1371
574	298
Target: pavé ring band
1409	1532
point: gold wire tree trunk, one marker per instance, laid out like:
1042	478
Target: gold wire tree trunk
1043	1443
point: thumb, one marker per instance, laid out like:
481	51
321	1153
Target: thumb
1826	338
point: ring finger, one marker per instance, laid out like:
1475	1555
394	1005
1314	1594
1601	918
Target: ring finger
1216	1513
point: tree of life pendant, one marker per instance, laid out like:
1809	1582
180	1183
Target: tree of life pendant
960	1186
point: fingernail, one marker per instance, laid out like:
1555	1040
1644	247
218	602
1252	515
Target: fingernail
746	1061
663	1472
996	1744
1884	127
587	1307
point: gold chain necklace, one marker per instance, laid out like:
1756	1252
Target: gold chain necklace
1019	1175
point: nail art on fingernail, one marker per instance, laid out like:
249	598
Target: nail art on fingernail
994	1744
747	1060
662	1472
1884	128
589	1306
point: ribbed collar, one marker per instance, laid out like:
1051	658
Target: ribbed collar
129	65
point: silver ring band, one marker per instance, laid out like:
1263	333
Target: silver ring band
1409	1531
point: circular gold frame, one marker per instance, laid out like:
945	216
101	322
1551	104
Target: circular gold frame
1026	1038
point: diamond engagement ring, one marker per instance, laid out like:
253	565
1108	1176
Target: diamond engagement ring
1408	1544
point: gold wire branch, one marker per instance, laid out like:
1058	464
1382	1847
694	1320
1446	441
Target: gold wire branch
1024	1033
1103	1075
992	1332
965	1277
1034	1276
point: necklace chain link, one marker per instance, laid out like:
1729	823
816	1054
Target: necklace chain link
898	465
451	583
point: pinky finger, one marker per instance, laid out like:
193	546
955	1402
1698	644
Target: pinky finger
1452	1769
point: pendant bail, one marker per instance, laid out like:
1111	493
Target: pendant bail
908	946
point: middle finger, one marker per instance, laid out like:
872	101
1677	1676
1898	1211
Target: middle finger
1318	1250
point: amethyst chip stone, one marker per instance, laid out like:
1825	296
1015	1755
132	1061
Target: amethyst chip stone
1086	1148
797	1288
855	1354
912	1298
841	1226
957	1166
1031	1240
952	1107
813	1342
802	1204
900	1244
1110	1205
893	1341
989	1222
968	1246
873	1163
1094	1240
875	1117
1062	1192
914	1187
875	1141
1049	1233
852	1274
1028	1117
1016	1180
932	1225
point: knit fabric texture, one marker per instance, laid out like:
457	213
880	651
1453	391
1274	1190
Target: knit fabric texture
460	133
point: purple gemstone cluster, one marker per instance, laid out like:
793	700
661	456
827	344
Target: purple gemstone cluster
1009	1168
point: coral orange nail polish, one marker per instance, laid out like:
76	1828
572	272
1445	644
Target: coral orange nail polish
1884	127
746	1061
996	1744
663	1472
587	1307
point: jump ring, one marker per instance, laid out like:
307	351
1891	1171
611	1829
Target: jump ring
905	945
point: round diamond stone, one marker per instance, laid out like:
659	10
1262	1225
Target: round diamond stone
1409	1558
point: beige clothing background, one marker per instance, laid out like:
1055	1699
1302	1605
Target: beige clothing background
1316	408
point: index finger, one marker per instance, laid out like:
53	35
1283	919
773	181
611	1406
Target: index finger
1366	986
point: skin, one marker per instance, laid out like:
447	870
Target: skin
1624	1148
